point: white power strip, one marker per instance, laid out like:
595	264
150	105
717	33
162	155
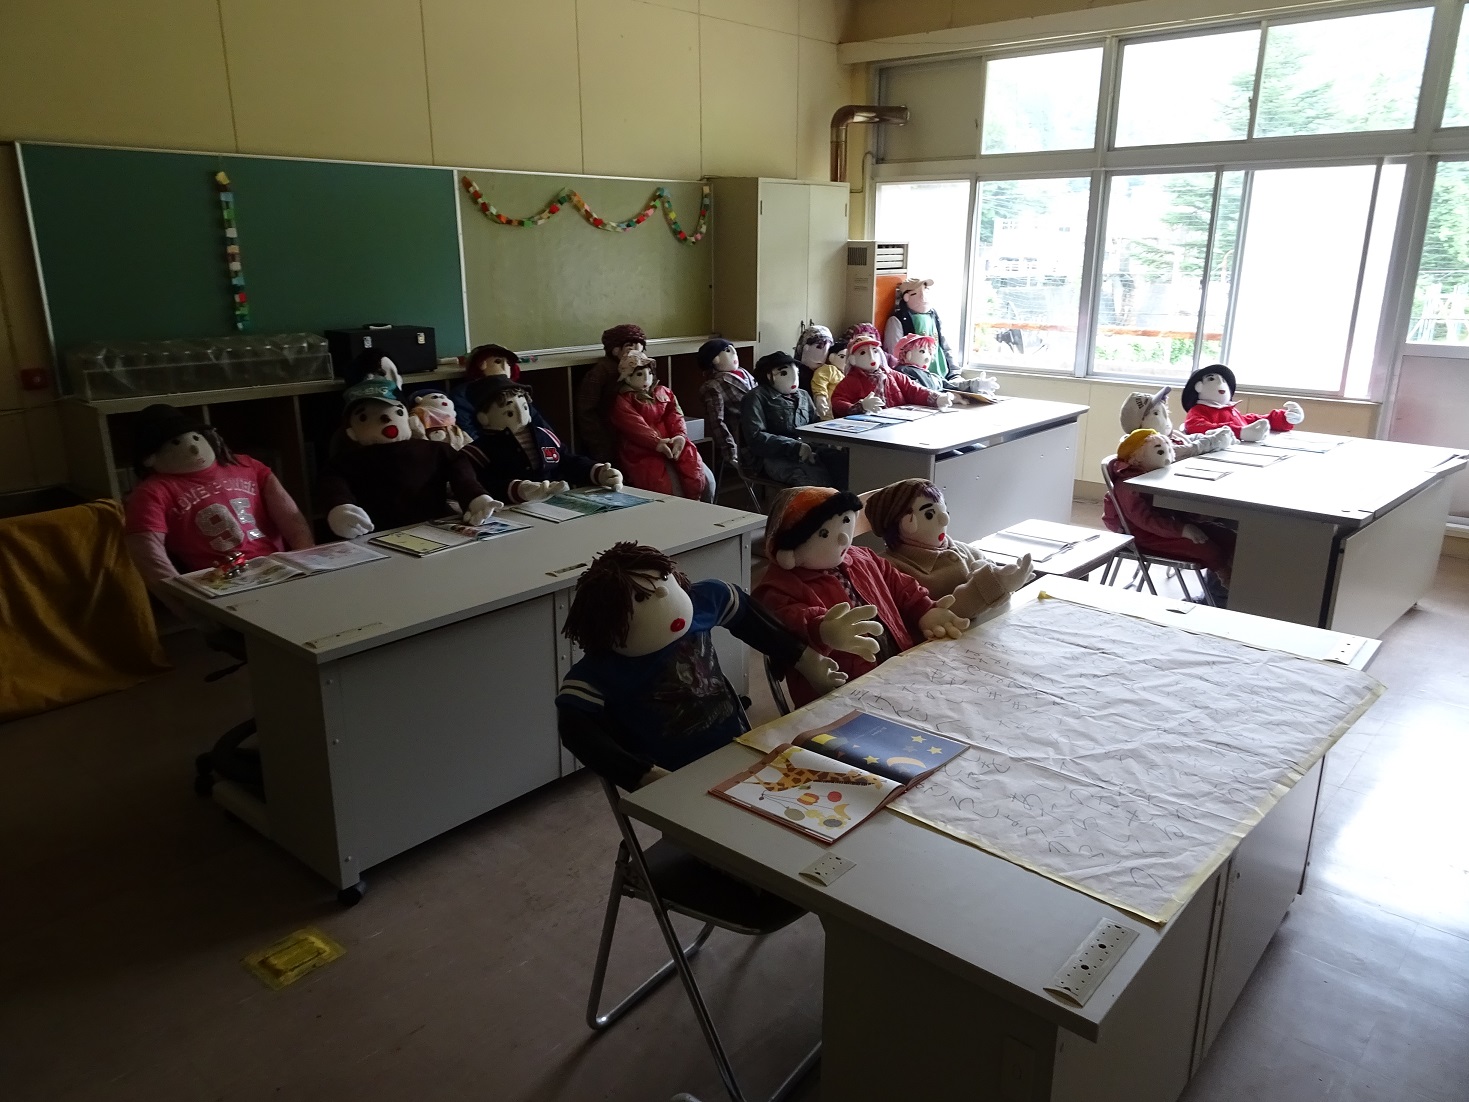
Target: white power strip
1091	962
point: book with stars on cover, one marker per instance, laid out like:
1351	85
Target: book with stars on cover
829	780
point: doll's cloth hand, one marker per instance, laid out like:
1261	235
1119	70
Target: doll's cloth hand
652	775
852	630
871	403
1294	414
1216	440
820	672
807	452
349	521
665	449
1255	431
940	623
416	429
1194	533
526	490
677	444
480	509
605	474
939	400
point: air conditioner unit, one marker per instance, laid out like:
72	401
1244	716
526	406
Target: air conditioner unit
874	270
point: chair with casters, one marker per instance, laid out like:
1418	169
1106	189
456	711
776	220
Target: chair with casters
1143	563
671	882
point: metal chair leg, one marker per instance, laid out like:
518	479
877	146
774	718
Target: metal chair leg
598	1021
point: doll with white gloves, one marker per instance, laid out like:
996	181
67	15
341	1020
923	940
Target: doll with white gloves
917	354
871	385
599	388
912	313
913	523
435	418
1150	411
1157	531
824	379
820	585
723	391
518	457
770	417
1208	398
653	444
648	695
812	346
385	478
199	504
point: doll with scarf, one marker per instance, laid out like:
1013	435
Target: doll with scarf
871	385
652	439
913	314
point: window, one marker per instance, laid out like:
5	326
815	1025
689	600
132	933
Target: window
1042	101
1187	89
1030	241
1456	111
932	217
1441	295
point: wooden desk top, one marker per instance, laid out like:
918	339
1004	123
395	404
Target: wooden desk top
957	427
335	614
995	924
1351	485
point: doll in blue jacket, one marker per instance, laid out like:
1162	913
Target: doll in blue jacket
517	453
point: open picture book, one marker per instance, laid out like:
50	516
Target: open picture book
279	567
827	781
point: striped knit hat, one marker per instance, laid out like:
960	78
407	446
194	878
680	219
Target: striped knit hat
795	515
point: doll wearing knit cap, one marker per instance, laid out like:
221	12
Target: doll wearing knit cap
817	576
911	519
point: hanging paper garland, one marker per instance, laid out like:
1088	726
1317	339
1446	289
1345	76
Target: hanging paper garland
659	198
232	252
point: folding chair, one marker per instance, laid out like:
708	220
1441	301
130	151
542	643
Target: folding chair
1141	575
671	882
777	688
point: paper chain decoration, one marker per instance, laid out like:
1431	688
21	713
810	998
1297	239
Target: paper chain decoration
660	197
232	252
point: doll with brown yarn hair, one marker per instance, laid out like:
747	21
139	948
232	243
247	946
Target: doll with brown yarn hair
648	696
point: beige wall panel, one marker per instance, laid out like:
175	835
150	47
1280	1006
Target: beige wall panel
973	13
944	100
48	455
824	20
509	108
677	5
16	472
748	89
639	89
774	15
329	78
1337	418
124	72
883	18
822	84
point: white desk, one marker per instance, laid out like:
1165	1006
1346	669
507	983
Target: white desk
937	953
400	698
997	464
1348	539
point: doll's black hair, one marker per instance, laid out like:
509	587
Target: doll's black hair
788	539
222	453
710	349
766	364
601	609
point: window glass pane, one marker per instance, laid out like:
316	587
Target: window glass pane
1221	266
1156	235
1441	296
1360	72
1374	280
1027	275
933	217
1187	89
1456	111
1298	276
1044	101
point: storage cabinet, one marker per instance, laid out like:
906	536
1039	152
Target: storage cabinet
779	258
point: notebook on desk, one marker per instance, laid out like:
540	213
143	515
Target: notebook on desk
1040	539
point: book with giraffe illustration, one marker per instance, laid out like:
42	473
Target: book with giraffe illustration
827	781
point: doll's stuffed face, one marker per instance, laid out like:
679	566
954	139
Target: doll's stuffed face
918	354
510	411
622	351
813	353
642	378
184	454
867	358
727	360
495	365
838	360
374	422
917	299
661	612
825	548
1156	453
1157	419
435	402
925	522
1212	391
784	380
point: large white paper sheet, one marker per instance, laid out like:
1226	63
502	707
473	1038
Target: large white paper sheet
1118	756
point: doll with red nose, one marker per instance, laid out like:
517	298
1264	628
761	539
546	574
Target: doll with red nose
648	696
384	478
872	385
818	578
1208	398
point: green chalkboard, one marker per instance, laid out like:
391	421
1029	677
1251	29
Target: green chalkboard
131	245
559	284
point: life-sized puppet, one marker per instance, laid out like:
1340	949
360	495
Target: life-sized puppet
913	314
599	389
436	418
911	519
818	577
825	378
199	504
384	478
1208	397
772	413
518	457
871	385
648	695
1150	411
652	438
483	362
723	390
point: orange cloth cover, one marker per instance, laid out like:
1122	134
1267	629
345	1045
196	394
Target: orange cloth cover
74	616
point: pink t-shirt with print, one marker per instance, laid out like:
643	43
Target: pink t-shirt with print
209	515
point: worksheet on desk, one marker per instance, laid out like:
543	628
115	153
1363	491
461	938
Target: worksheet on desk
1118	756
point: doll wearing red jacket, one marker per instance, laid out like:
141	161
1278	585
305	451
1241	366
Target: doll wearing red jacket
652	440
1208	401
823	589
871	384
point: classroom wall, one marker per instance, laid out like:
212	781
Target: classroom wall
662	88
871	19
